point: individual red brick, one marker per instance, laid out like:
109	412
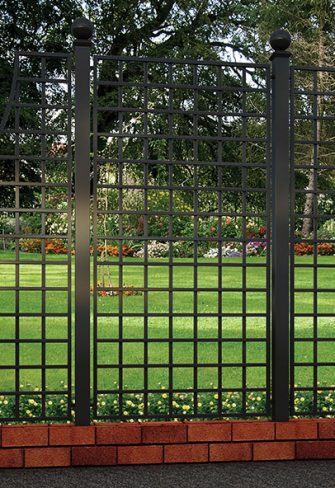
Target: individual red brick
209	431
296	430
47	457
70	435
164	433
253	430
271	451
230	452
24	435
186	453
11	458
140	455
93	456
326	429
118	434
315	450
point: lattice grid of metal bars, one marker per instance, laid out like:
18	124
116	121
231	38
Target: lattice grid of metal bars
312	284
160	340
142	99
35	337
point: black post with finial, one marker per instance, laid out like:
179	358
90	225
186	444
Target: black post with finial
280	42
82	30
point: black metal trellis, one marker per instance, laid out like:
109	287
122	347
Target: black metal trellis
34	73
146	107
159	119
311	103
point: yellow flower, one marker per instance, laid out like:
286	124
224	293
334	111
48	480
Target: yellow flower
216	396
186	407
258	398
164	395
125	412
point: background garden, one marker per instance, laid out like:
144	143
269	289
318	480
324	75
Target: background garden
211	211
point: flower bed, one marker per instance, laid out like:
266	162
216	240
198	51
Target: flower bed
30	406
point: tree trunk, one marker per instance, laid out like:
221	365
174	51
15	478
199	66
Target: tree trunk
309	202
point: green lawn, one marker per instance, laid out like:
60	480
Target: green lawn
183	352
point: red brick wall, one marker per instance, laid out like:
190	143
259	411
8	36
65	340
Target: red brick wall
166	442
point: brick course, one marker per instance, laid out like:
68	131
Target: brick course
109	444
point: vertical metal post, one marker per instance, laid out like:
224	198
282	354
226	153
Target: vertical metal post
82	30
280	41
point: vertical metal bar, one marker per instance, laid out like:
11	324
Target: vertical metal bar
244	243
280	41
82	29
17	243
43	230
195	237
268	241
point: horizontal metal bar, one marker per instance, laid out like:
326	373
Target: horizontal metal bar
179	289
34	288
34	262
297	67
48	132
29	157
182	339
175	111
35	105
33	314
315	290
176	137
183	188
176	314
216	264
35	184
177	239
180	365
35	236
175	213
42	80
185	162
180	86
178	390
37	54
35	366
35	210
34	341
99	57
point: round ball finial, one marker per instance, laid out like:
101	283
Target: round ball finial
280	40
82	29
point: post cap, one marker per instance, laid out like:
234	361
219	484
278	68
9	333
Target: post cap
280	40
82	29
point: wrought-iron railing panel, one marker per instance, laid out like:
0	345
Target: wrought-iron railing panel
312	235
36	208
180	141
